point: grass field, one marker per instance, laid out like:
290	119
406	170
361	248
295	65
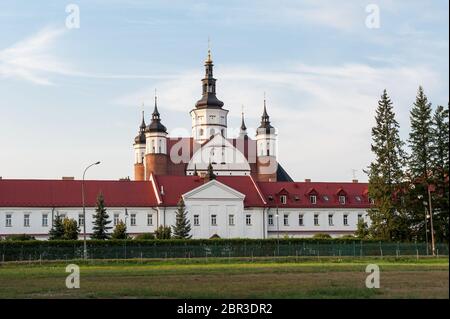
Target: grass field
229	278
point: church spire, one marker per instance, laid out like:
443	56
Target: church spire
243	131
265	126
156	125
140	138
209	99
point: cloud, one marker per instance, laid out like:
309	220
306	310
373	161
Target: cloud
30	59
323	113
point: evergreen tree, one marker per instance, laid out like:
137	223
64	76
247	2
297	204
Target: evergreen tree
419	163
101	220
71	229
182	226
57	230
163	232
386	173
440	169
120	231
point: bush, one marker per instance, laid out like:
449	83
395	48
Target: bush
145	236
321	236
20	237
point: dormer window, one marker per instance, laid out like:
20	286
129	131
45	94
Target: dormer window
326	198
283	199
358	199
313	199
342	199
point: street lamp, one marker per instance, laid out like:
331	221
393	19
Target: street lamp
278	232
433	245
84	210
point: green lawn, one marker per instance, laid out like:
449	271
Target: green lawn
229	278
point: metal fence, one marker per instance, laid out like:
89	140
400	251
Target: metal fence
129	250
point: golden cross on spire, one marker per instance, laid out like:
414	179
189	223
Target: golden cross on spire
209	59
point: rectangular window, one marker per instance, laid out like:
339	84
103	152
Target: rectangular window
286	219
44	220
313	199
248	219
214	220
231	220
149	219
360	218
80	220
8	221
330	219
300	219
270	220
342	199
316	219
345	220
26	220
133	219
62	216
196	220
283	199
116	219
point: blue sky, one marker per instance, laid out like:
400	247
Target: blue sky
69	97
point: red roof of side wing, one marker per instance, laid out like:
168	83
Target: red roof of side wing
175	186
67	193
298	194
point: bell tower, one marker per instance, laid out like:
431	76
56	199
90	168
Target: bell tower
208	116
266	149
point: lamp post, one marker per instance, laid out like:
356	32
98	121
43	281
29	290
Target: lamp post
433	245
425	204
84	210
278	232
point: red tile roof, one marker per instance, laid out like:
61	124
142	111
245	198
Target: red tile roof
175	186
298	194
67	193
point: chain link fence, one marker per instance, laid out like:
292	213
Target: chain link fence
130	250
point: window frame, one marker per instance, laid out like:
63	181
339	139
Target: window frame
248	219
316	220
311	197
214	220
133	219
26	220
301	219
196	220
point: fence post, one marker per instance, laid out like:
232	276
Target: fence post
354	249
381	250
417	254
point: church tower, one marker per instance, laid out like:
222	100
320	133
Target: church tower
156	159
208	116
266	146
139	152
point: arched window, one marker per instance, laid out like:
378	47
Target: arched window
212	132
201	132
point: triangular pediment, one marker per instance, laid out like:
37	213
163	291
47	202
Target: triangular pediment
213	190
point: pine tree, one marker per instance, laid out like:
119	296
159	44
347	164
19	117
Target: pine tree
101	220
419	162
386	173
182	226
57	230
440	169
120	231
71	229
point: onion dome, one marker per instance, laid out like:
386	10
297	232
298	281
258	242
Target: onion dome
140	139
209	99
156	125
265	127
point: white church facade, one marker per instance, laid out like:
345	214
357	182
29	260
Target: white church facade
233	187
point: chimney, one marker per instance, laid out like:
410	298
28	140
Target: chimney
68	178
355	181
308	180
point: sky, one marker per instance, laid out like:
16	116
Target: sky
72	93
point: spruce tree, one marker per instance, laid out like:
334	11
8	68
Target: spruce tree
386	173
440	169
419	162
57	230
101	220
182	226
